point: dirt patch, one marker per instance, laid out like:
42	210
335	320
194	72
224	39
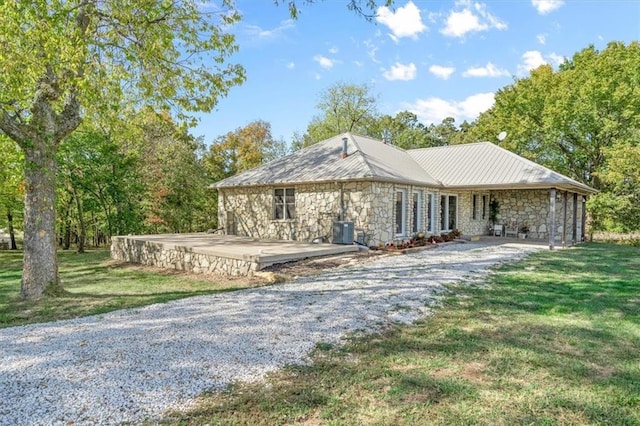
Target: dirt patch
316	265
272	274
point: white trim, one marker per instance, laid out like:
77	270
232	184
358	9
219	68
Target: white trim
445	215
431	226
416	217
403	207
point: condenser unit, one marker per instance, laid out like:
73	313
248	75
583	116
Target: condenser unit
342	232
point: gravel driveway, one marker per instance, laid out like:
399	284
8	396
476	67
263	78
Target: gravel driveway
134	364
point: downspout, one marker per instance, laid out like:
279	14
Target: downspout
342	208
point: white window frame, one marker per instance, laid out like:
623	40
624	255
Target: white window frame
446	213
431	212
284	204
416	218
403	219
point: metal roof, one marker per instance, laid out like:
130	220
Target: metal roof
480	165
367	159
485	165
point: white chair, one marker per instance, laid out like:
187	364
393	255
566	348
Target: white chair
511	229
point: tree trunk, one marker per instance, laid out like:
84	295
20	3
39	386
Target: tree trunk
40	271
12	234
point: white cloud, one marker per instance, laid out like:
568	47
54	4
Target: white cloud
324	62
372	49
471	18
405	22
401	72
546	6
556	59
333	50
488	70
291	65
441	72
542	38
257	32
434	110
531	60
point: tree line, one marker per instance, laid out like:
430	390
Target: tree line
153	176
97	97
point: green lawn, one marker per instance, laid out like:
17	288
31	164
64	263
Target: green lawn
96	285
554	339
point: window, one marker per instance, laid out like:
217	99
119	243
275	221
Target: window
416	225
484	206
284	203
448	212
474	207
400	212
431	213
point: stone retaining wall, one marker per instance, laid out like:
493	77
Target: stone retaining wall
179	258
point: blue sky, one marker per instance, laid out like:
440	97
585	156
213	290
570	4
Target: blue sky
434	58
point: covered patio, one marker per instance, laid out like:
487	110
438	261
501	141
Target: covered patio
204	253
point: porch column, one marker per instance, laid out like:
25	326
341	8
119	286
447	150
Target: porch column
552	219
584	219
565	196
574	234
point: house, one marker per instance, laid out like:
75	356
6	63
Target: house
389	193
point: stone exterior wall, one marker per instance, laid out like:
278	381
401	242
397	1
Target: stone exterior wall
468	223
371	207
533	208
154	254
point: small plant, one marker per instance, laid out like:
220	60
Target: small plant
524	228
494	210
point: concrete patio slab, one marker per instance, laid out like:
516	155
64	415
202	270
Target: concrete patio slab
215	253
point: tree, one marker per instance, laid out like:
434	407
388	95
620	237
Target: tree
243	149
580	120
63	59
343	108
11	185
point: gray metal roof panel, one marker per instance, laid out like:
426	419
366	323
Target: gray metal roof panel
367	159
486	164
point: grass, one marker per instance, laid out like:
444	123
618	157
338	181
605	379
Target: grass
553	339
94	285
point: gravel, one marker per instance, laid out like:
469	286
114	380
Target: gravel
134	365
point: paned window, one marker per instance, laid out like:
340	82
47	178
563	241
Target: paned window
284	203
416	224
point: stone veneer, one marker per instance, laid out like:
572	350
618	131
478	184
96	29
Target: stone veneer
175	257
371	206
532	207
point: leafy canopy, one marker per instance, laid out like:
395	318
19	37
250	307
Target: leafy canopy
105	53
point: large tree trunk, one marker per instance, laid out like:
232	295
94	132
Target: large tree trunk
40	270
12	234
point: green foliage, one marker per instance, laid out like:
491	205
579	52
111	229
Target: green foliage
582	120
343	108
11	182
169	54
243	149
